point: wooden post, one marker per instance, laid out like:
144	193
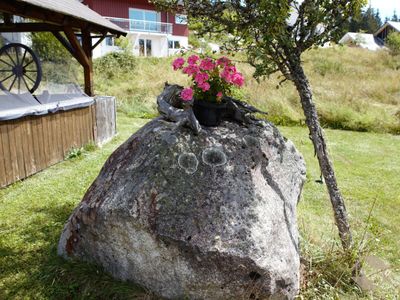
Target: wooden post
88	70
84	56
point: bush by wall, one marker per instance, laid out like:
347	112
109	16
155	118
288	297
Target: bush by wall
115	65
48	48
393	43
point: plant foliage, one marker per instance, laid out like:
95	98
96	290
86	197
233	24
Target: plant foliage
115	64
48	48
393	43
211	79
273	33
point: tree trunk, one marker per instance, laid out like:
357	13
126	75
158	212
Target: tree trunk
303	87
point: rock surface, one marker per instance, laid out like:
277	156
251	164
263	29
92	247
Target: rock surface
211	216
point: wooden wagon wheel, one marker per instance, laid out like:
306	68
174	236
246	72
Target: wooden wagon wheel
19	68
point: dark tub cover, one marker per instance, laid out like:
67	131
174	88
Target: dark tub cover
15	106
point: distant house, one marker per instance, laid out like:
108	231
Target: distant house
386	29
370	41
362	40
152	33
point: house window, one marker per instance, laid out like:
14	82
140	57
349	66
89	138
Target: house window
181	19
174	45
144	20
110	41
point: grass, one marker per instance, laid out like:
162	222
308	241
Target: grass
368	172
33	212
354	89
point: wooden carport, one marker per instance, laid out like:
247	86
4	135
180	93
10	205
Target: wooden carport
62	16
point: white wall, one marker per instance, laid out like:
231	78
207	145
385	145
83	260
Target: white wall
159	44
16	37
103	48
184	43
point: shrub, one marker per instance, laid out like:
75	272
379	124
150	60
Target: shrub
324	67
48	48
57	63
56	72
124	43
115	64
393	43
74	153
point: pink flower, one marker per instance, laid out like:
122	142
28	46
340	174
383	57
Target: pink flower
207	64
191	70
205	86
223	61
201	77
178	63
187	94
231	69
219	95
238	79
226	75
192	60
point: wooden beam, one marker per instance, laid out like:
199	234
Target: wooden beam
65	43
29	27
80	54
88	70
99	41
96	36
7	19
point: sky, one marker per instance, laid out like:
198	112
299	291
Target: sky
386	7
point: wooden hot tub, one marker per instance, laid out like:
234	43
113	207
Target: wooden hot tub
38	137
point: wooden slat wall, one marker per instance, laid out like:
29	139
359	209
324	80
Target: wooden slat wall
105	119
31	144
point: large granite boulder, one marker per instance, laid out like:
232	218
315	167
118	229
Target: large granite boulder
207	216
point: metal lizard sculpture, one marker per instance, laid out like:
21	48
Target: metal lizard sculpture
172	108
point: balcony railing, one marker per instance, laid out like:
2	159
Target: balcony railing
140	25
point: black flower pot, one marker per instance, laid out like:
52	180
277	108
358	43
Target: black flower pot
208	113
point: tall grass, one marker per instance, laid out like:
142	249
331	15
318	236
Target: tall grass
354	89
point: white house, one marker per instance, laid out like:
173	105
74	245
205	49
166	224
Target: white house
370	41
152	33
362	40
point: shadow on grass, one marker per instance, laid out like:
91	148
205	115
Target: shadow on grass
33	269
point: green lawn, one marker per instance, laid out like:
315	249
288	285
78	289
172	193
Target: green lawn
368	171
33	212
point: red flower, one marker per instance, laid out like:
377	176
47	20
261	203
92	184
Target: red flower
201	77
192	60
207	64
238	79
178	63
187	94
191	70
